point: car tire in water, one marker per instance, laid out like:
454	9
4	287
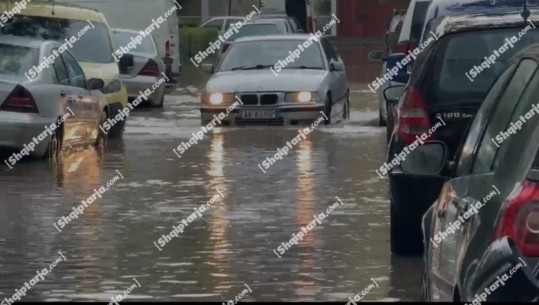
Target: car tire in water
161	102
117	130
404	238
346	110
381	121
55	144
327	110
102	136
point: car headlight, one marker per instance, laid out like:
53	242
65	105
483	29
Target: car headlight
300	97
218	98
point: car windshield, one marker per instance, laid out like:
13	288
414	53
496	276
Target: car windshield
124	38
266	53
255	30
92	40
17	60
459	54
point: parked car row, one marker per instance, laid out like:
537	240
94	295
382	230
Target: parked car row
438	192
76	45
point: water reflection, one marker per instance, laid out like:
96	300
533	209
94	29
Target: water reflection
218	246
305	212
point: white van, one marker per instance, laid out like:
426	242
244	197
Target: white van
137	15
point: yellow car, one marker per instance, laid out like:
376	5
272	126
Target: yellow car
85	33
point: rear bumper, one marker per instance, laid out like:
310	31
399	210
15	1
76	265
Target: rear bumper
18	129
285	115
136	85
502	260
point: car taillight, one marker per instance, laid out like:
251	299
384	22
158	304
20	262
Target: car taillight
150	69
402	47
20	100
413	117
167	48
310	26
519	219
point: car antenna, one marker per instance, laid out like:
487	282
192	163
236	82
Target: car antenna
52	12
525	12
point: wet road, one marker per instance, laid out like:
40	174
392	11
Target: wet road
232	243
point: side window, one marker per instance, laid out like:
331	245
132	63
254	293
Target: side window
60	72
481	119
502	114
524	112
74	71
217	24
330	51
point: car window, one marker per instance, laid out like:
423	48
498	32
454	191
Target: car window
331	54
418	20
499	121
480	120
74	71
91	42
217	24
524	109
17	60
146	45
457	74
229	22
60	72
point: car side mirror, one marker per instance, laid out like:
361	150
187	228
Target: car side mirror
377	55
393	94
427	159
336	66
127	61
95	83
208	68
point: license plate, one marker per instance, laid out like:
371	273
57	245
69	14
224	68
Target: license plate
258	114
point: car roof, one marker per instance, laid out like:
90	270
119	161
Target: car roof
461	7
271	16
478	21
61	10
299	37
225	17
22	41
268	20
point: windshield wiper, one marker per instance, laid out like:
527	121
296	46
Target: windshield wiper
307	67
254	67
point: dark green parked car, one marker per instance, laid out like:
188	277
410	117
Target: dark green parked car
481	236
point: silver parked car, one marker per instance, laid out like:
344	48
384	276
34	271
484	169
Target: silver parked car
274	89
148	68
33	97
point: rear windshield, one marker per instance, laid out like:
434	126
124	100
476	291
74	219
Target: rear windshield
418	20
459	53
121	39
92	45
16	60
255	30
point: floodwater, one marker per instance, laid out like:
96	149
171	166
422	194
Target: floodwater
231	245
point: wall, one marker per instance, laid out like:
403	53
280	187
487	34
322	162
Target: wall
366	18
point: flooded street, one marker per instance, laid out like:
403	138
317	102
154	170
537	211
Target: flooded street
232	244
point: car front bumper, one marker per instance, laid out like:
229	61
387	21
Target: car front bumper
284	114
18	129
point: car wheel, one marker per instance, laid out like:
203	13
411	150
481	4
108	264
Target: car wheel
102	135
381	121
327	110
346	110
161	102
425	288
55	144
404	239
117	130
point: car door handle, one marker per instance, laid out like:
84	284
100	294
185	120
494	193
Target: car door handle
63	93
